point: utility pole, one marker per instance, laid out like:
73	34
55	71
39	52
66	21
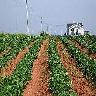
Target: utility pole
41	24
47	28
27	16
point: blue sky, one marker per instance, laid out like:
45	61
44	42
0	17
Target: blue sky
54	12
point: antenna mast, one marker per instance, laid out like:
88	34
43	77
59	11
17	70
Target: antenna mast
27	16
41	24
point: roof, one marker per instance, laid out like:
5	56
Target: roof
70	24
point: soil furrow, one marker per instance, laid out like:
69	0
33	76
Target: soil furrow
38	86
79	83
11	66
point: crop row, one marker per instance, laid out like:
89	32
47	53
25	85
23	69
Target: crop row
59	83
86	64
87	41
4	41
11	40
16	43
14	85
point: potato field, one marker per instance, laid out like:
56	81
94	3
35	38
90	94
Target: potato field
47	65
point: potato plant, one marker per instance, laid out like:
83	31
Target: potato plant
60	83
86	64
16	42
14	85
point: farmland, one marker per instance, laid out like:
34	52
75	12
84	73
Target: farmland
47	65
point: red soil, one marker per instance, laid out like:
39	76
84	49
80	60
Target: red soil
38	86
79	84
83	49
11	66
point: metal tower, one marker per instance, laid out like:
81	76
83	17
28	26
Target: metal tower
27	16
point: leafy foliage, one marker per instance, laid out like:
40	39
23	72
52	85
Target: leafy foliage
87	41
60	83
14	85
86	64
16	42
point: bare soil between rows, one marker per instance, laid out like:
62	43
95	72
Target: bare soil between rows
11	65
39	86
79	84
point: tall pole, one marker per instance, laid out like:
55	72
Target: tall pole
47	28
27	16
41	24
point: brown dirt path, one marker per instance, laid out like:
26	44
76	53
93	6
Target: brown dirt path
79	83
83	49
11	66
5	51
38	86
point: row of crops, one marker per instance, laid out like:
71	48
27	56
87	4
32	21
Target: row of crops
16	42
87	41
86	64
60	83
14	85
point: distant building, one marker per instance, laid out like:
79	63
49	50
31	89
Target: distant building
75	29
